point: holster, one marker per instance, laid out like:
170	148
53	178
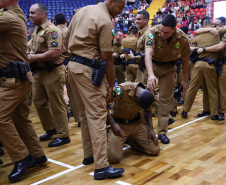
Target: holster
99	70
179	62
142	62
219	65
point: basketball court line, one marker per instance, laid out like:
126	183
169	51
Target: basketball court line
72	168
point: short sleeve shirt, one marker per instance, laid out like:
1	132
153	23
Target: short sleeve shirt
13	36
124	105
63	28
118	48
91	32
223	38
205	40
164	51
142	39
47	37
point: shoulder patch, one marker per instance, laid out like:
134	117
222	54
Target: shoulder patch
177	45
54	34
54	43
42	32
116	92
151	36
122	47
149	42
1	13
113	32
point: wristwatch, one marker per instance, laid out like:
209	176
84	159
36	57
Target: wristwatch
204	49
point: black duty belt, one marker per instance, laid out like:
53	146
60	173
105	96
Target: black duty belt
46	68
117	63
131	62
173	62
3	72
126	121
210	61
81	60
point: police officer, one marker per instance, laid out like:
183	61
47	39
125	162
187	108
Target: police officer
221	85
61	22
132	66
129	99
141	22
118	56
90	42
16	129
48	87
163	45
204	71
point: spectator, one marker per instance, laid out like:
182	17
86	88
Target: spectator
191	21
186	8
200	4
197	25
159	12
194	5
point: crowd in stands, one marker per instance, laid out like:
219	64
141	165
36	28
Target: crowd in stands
189	13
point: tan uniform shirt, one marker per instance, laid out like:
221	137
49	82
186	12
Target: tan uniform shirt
223	38
205	40
13	36
91	36
29	45
47	37
124	104
130	42
142	39
63	28
164	51
117	48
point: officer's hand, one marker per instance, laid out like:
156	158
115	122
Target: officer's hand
152	137
131	55
200	50
152	81
110	89
116	129
184	85
115	55
31	58
122	56
215	32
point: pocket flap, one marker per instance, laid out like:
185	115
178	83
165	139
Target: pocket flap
77	70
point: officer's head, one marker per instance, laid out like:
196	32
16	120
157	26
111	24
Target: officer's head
143	97
168	26
133	30
185	29
223	20
60	18
6	3
38	14
206	21
118	36
142	19
115	7
216	23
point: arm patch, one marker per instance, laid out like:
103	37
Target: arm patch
149	42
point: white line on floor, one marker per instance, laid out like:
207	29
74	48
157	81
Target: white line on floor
60	163
122	183
72	168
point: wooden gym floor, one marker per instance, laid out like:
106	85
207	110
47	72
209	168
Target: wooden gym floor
195	155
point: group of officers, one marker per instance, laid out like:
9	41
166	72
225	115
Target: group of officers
95	56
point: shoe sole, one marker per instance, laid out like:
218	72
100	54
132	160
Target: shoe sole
109	176
18	178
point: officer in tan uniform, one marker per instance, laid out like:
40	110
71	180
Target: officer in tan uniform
142	19
221	85
49	80
61	22
204	71
118	56
164	44
90	42
16	130
129	99
132	66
